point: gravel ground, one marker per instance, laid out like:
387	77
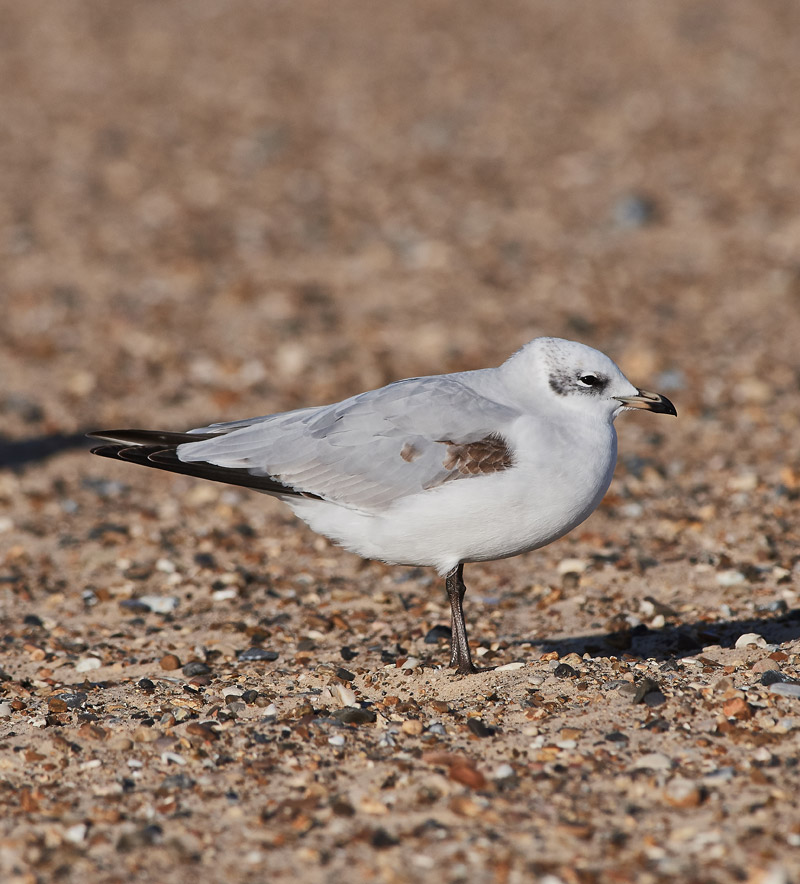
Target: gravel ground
211	210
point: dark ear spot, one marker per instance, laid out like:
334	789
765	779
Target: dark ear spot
560	383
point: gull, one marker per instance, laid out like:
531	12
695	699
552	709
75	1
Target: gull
435	471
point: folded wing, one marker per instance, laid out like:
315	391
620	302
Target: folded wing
362	453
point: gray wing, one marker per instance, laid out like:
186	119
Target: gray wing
371	449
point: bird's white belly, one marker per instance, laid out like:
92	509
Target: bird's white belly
477	518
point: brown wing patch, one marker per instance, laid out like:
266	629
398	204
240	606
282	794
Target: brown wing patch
409	452
489	455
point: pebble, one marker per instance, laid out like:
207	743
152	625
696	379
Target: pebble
412	727
5	710
738	708
346	696
730	578
172	758
253	654
202	729
354	715
76	834
750	638
195	667
437	633
785	689
169	662
681	792
479	728
764	665
564	670
158	604
336	740
644	688
87	664
467	775
653	761
572	566
508	667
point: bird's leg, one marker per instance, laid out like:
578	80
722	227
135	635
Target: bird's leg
460	657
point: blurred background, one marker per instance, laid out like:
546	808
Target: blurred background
214	209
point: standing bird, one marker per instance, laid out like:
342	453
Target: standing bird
439	471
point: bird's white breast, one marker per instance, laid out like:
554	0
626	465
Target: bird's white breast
560	474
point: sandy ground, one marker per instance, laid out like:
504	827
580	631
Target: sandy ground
214	209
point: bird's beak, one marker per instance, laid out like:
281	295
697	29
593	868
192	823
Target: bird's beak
649	401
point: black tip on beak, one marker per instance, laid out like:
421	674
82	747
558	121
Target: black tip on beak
649	402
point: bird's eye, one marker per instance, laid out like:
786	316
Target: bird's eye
590	380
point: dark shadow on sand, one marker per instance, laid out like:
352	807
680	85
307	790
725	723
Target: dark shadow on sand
18	453
675	640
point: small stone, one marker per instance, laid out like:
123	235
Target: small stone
345	674
465	806
750	638
437	634
764	665
570	733
202	729
680	792
643	688
785	689
730	578
467	776
738	708
503	772
348	653
336	740
158	604
257	654
354	715
56	704
381	839
346	696
5	710
87	664
412	727
653	761
479	728
773	676
76	834
508	667
120	744
564	670
145	735
195	667
169	662
146	685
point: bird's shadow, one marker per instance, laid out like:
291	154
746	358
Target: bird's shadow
18	453
677	640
